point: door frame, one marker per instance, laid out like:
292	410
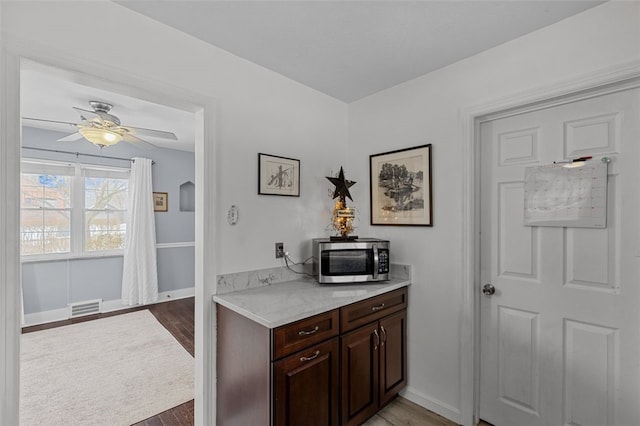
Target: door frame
612	79
12	53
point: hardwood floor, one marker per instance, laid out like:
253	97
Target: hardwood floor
177	316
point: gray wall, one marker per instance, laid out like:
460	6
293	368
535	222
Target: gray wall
52	285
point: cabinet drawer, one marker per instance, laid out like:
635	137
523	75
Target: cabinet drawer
360	313
293	337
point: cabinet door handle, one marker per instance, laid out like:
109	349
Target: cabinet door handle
306	333
309	358
377	308
375	345
384	335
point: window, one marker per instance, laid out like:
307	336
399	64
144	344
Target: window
105	212
45	213
72	210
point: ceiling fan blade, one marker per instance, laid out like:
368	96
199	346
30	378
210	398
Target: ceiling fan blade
153	133
48	121
72	137
88	115
136	141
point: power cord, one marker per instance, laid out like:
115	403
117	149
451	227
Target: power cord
293	263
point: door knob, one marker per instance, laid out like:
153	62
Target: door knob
488	289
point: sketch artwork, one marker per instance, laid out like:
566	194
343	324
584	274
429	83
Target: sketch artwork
401	187
278	175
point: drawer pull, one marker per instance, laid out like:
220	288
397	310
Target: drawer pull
377	308
309	358
306	333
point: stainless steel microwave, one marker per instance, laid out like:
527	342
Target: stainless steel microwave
361	260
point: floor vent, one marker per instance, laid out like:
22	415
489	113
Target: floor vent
87	307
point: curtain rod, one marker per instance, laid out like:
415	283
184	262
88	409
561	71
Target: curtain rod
79	153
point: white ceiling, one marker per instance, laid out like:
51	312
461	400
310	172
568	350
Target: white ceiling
346	49
351	49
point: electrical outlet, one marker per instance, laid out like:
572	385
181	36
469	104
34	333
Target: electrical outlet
279	250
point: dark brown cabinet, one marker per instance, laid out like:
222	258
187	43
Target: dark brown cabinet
374	362
338	367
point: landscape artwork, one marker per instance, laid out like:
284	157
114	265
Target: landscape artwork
401	187
278	175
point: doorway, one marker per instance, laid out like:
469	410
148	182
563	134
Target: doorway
74	203
205	231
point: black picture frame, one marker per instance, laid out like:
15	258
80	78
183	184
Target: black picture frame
278	175
400	187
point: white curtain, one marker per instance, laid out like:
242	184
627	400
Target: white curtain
140	273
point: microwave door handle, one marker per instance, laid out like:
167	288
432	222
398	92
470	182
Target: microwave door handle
375	261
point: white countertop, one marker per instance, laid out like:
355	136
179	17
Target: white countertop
282	303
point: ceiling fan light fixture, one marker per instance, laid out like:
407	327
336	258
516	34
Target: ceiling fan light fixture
100	137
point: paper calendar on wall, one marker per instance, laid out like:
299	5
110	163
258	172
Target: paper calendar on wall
559	196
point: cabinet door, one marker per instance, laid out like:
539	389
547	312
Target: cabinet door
360	374
306	387
393	355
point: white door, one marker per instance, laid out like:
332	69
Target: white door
560	338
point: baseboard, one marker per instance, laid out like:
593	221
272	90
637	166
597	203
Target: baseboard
45	317
432	404
107	306
165	296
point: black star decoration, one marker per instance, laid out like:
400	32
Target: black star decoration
342	185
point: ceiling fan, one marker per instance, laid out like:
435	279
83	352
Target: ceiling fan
103	129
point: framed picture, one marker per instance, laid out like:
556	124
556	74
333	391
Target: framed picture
401	187
160	201
278	175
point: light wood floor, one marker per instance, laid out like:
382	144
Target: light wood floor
402	412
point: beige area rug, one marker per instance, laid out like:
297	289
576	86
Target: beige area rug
111	371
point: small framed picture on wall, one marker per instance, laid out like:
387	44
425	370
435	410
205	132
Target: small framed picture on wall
160	201
278	175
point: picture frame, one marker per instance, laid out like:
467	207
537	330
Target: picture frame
278	175
161	202
400	187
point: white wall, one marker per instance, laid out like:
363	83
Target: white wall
258	111
427	110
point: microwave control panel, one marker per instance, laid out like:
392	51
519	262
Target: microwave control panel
383	261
